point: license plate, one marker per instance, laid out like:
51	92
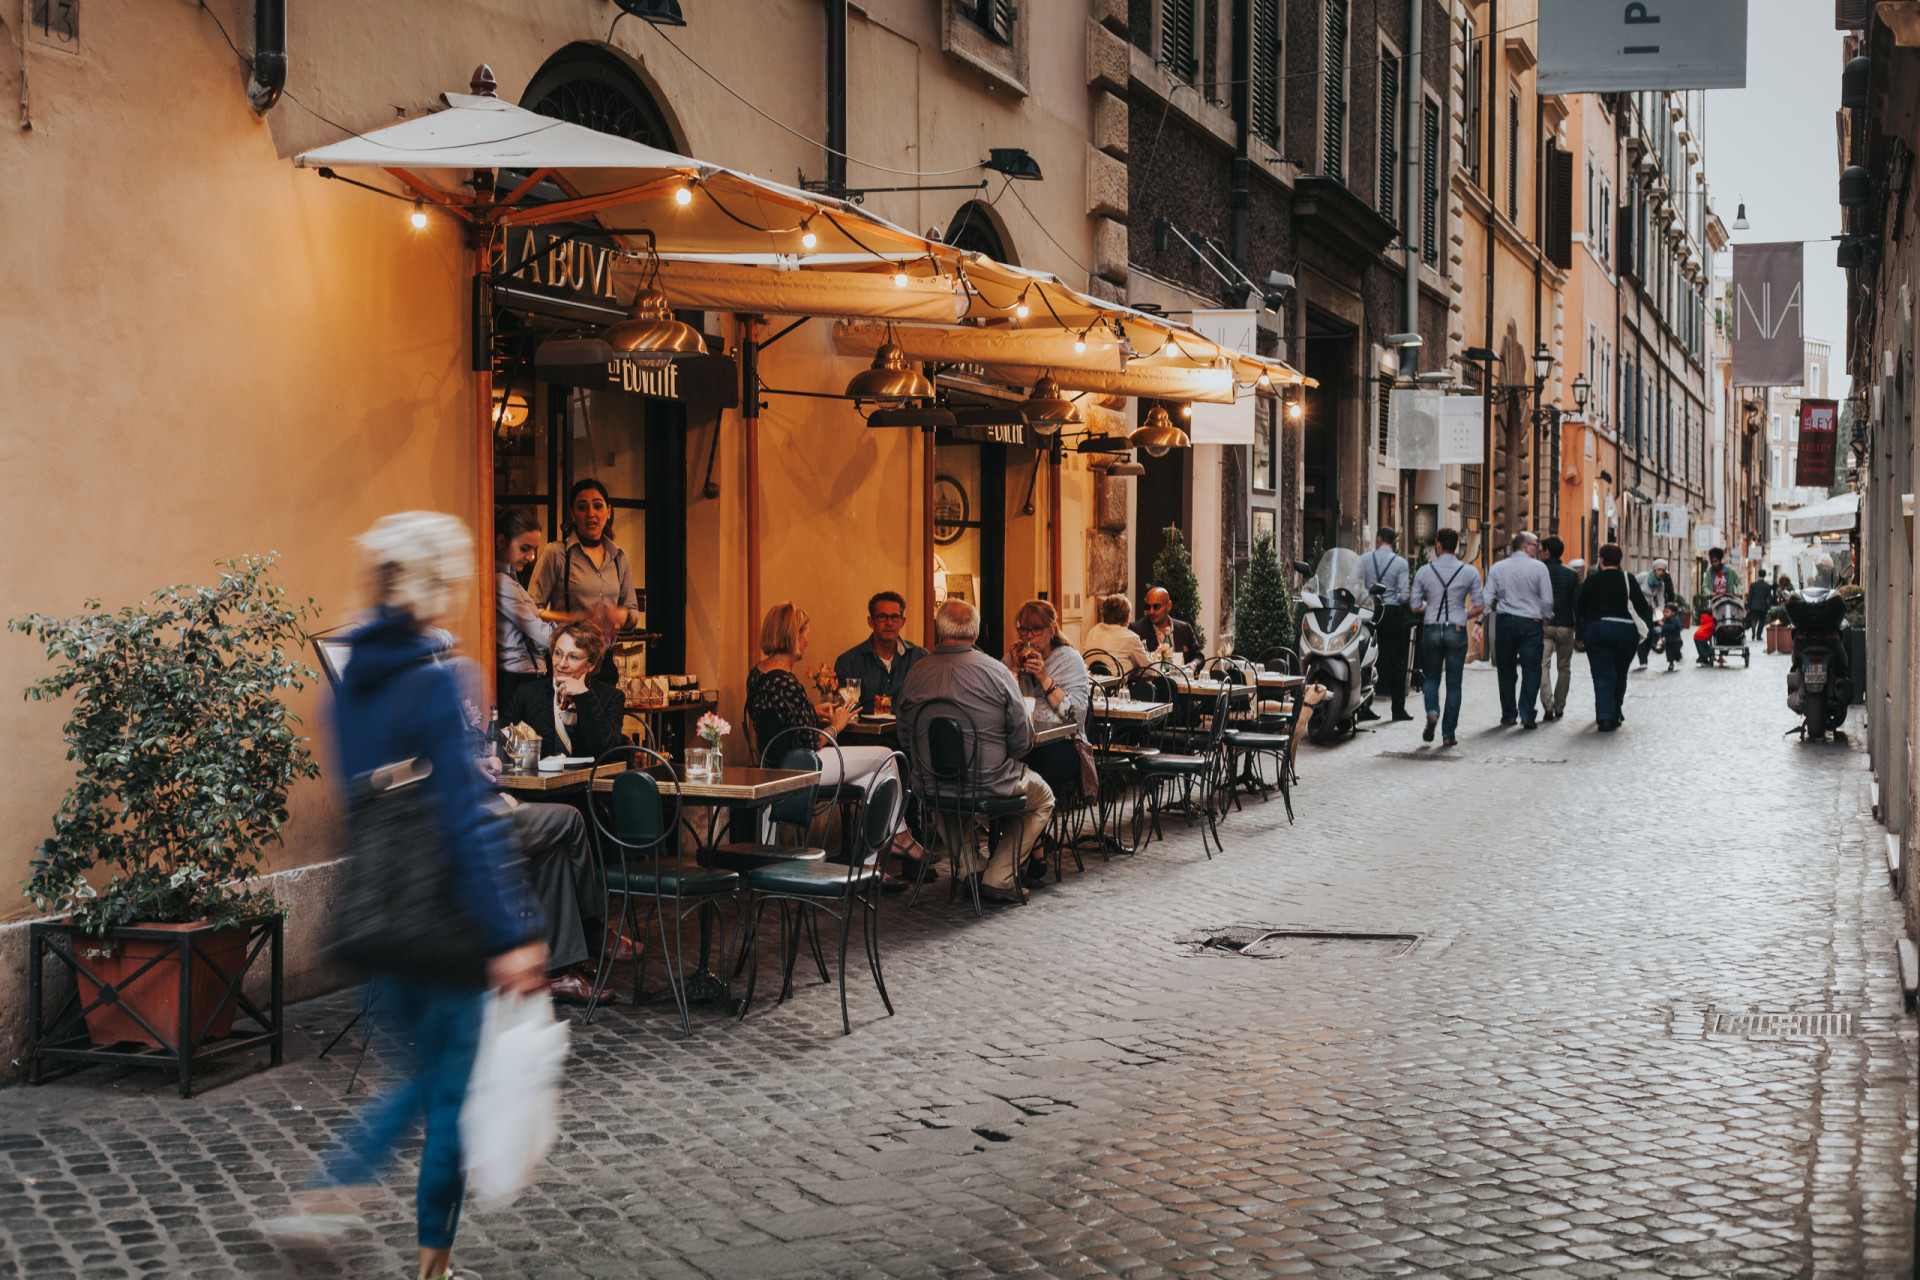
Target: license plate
1814	675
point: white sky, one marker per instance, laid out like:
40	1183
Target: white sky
1774	145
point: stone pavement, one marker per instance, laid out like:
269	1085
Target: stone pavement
1538	1077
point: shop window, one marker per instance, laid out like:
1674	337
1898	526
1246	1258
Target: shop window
972	228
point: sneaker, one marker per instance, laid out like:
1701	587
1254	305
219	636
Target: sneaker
1426	735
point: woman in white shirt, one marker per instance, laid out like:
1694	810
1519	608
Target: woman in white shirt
522	635
1111	635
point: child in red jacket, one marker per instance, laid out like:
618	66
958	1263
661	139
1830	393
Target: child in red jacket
1703	639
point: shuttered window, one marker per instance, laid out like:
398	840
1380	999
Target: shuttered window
1266	70
1333	92
1513	155
1472	94
1430	185
1389	134
1177	38
995	17
1559	219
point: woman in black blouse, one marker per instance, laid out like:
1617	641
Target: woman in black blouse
574	716
777	702
1607	631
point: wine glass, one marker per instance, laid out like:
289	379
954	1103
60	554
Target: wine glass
850	692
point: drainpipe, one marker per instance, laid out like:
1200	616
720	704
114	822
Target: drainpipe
1489	158
837	97
1413	141
269	54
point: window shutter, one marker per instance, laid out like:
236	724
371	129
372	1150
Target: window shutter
1176	38
1000	15
1383	403
1430	182
1513	156
1389	134
1559	244
1333	109
1474	93
1266	69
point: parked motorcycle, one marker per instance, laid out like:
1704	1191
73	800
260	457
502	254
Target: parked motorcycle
1819	683
1338	647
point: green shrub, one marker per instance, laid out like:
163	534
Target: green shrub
1263	615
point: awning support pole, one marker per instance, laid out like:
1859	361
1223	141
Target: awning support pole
750	420
483	450
1054	572
926	527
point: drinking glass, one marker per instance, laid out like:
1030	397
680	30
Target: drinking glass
1031	704
699	764
850	692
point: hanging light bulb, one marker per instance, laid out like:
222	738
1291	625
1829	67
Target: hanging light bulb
1159	434
419	215
1296	409
682	196
1020	307
899	279
890	378
807	238
1080	345
651	328
1046	409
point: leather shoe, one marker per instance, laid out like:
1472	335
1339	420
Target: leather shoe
990	894
1529	724
1403	714
1507	722
571	988
625	949
1426	735
1449	742
1366	713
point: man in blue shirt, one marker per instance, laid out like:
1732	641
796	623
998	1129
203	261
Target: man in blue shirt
1520	592
1447	594
881	663
1387	567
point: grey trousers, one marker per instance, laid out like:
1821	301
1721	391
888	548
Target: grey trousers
1556	668
565	878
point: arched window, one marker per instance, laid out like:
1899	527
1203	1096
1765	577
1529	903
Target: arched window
973	229
589	86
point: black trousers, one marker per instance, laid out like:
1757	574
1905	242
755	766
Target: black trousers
1394	627
565	879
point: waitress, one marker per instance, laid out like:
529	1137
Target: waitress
523	632
586	576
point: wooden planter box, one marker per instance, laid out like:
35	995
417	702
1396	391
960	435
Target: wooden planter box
158	995
1779	638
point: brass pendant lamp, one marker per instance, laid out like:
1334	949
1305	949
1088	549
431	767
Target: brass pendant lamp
890	378
1046	409
650	328
1158	434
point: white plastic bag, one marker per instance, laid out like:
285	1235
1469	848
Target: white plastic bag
511	1115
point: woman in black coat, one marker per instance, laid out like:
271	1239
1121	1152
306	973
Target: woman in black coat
1601	611
574	716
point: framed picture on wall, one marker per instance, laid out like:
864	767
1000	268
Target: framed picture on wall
950	510
960	587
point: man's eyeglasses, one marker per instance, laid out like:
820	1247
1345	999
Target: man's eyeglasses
889	617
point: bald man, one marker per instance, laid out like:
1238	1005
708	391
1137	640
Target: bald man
1158	627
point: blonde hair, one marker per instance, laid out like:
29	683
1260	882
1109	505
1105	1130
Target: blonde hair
420	563
780	631
1038	613
1115	610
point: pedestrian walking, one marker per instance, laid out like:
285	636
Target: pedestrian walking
1670	624
399	709
1447	595
1610	599
1557	640
1759	602
1520	593
1658	586
1388	568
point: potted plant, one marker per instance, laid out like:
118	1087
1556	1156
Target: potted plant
1173	570
184	754
1263	615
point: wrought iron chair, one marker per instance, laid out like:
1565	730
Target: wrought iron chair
1199	771
952	792
795	813
1114	759
841	892
640	858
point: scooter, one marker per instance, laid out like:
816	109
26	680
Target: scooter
1338	646
1819	683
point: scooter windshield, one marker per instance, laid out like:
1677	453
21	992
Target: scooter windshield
1338	581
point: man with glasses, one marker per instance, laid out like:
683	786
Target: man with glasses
1159	629
881	662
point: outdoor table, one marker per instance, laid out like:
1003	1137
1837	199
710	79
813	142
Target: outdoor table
1055	733
1280	680
1132	712
565	780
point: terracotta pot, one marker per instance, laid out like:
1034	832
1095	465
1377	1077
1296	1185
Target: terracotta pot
156	993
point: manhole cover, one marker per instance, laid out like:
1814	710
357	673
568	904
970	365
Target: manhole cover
1271	942
1416	755
1778	1026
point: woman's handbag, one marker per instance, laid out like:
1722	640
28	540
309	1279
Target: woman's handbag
397	914
1089	772
1639	623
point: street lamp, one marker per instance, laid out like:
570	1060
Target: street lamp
1543	363
1581	389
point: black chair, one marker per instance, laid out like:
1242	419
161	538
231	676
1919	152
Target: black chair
1199	772
640	842
795	813
1268	730
949	787
1115	752
1100	662
841	892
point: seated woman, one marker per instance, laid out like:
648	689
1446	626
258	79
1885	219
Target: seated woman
573	715
777	702
1112	635
1053	675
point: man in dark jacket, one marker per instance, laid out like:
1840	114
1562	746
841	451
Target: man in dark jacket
1158	627
1556	659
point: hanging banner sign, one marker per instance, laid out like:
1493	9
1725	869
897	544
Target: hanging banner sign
1593	46
1413	428
1768	318
1463	435
1819	427
1237	330
1669	521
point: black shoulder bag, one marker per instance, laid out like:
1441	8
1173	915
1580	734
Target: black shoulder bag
397	914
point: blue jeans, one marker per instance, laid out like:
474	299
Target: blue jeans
431	1036
1444	649
1518	642
1611	645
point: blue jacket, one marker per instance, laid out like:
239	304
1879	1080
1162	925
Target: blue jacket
395	704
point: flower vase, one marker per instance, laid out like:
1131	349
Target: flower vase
713	760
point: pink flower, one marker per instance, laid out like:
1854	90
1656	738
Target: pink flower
712	728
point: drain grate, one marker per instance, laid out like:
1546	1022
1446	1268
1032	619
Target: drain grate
1416	755
1271	942
1778	1026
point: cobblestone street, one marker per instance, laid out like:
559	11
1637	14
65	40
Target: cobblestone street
1527	1079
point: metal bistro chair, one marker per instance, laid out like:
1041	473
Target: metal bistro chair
841	892
795	813
1199	772
952	792
1113	762
1261	731
640	842
1287	663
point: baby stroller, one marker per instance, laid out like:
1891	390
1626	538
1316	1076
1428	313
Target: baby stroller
1730	634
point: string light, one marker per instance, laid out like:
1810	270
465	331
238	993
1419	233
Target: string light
899	279
419	215
1020	307
1080	343
682	196
807	238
